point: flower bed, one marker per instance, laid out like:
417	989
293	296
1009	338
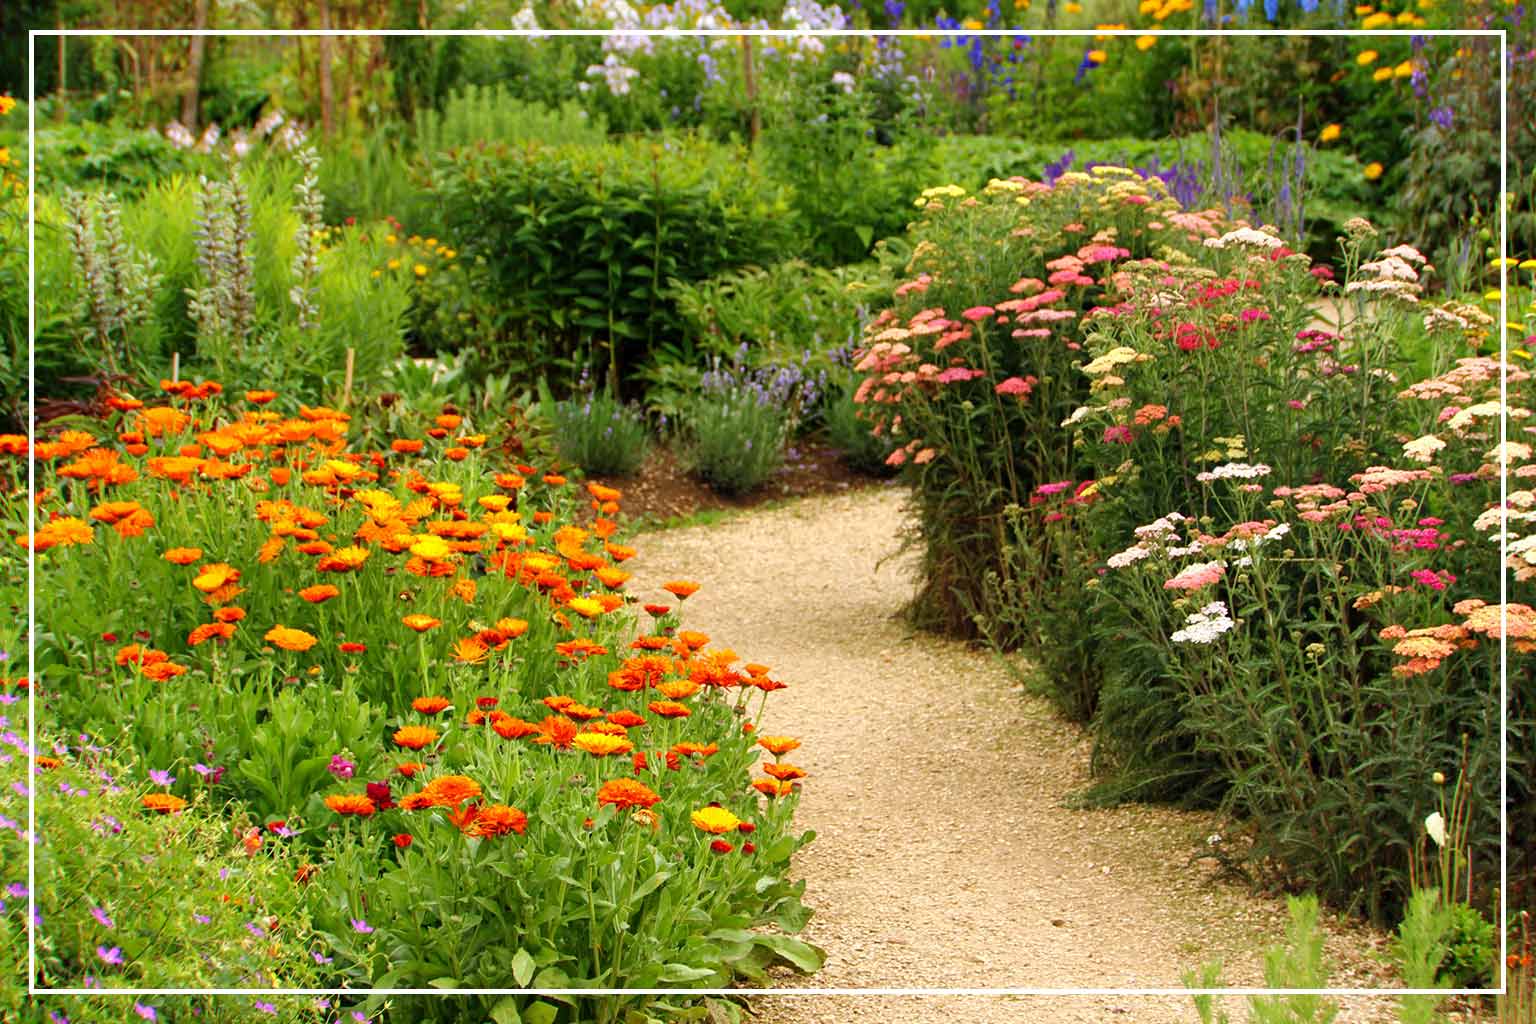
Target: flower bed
1258	554
414	674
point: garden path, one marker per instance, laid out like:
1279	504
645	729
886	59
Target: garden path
944	856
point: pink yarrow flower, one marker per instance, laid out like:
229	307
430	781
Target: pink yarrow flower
978	313
1020	386
1201	574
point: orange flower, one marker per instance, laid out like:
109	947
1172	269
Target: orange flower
693	639
211	577
421	623
410	768
783	772
777	745
773	787
208	631
496	820
229	614
626	718
678	689
430	705
289	639
450	790
681	589
348	803
414	737
600	745
319	593
62	532
611	577
470	651
688	748
183	556
163	803
260	397
511	728
626	793
602	493
618	552
405	446
669	709
511	628
160	671
556	731
554	479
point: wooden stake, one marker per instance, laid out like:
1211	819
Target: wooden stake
346	387
749	78
175	366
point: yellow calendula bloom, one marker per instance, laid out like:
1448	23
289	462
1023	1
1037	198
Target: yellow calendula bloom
7	104
393	264
1528	264
600	744
1330	132
715	820
1363	9
1097	56
1378	20
1403	70
390	239
1522	353
1365	58
1492	295
419	270
1073	8
586	607
1507	261
1382	74
432	548
1145	43
1373	170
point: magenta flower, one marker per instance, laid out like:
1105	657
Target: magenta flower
101	917
113	956
361	927
1020	386
147	1012
978	313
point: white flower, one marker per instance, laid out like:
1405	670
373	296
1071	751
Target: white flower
1130	555
843	80
1234	471
1205	625
1435	826
1423	448
1245	236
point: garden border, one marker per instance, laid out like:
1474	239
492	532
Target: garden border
31	513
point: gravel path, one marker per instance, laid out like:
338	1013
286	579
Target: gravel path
943	854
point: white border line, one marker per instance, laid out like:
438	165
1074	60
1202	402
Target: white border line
369	994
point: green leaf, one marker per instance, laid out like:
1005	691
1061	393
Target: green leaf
505	1011
801	954
522	967
444	983
675	973
540	1013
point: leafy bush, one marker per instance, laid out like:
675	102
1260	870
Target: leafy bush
853	435
629	217
494	115
600	434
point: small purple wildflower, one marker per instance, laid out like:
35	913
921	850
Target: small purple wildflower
266	1007
161	777
101	917
147	1012
113	956
361	927
321	958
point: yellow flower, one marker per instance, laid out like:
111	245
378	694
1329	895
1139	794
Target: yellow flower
1330	132
586	607
391	239
1145	43
972	23
1507	261
1366	58
7	104
419	270
1097	56
1382	74
376	273
431	243
1407	18
393	264
715	820
1377	20
1403	70
1373	170
1072	8
601	744
1492	296
1363	9
432	548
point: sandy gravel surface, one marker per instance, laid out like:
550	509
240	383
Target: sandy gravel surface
944	856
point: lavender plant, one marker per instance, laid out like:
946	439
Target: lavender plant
600	434
742	418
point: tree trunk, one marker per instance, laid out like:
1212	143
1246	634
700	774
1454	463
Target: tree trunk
749	77
195	68
327	93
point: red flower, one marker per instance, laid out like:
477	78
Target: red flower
404	839
721	846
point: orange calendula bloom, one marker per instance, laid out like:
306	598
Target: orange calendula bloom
163	803
351	804
211	577
509	727
65	531
626	719
678	689
289	639
210	630
783	772
160	671
681	589
689	748
715	820
586	607
669	709
618	552
406	446
778	745
495	820
410	768
773	787
556	731
421	623
623	794
600	744
430	705
414	737
260	397
319	593
450	790
183	556
229	614
470	651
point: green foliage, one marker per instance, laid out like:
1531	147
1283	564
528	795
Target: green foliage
576	246
853	435
600	434
493	115
1420	948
